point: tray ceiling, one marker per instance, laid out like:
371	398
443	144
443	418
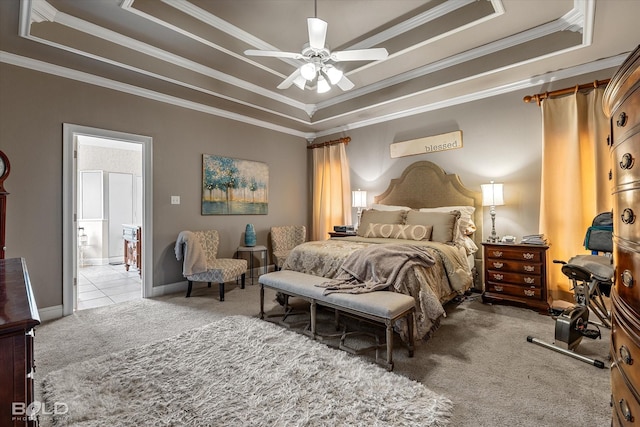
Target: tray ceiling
441	52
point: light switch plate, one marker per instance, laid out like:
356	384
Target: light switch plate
175	200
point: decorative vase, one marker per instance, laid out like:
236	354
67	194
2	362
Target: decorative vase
250	235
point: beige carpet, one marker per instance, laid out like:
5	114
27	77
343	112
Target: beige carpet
479	358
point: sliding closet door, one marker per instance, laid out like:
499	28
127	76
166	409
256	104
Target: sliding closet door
120	212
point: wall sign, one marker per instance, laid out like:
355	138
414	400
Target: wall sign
429	144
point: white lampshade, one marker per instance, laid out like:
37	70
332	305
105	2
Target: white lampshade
492	194
359	199
334	74
300	82
308	71
323	85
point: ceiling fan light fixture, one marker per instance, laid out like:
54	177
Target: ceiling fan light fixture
300	82
308	71
334	74
323	85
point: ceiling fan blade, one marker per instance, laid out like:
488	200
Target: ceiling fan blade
286	83
317	32
345	84
273	53
375	54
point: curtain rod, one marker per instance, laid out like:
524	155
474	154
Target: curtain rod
540	96
344	140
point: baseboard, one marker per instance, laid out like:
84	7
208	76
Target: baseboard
50	313
169	288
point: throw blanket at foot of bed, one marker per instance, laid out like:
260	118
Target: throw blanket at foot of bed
378	267
381	307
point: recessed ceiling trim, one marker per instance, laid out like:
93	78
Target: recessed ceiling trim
45	67
611	62
222	25
507	42
128	7
414	22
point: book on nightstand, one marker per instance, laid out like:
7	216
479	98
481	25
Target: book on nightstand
534	239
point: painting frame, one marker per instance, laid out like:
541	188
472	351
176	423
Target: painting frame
233	186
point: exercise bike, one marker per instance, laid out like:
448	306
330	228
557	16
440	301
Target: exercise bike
591	277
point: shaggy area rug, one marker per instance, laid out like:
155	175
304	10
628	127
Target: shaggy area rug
238	371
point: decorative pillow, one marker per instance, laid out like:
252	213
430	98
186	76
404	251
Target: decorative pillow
465	223
380	207
380	217
399	231
443	223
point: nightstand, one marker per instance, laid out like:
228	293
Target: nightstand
251	250
342	233
516	273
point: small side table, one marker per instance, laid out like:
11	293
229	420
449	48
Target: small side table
261	250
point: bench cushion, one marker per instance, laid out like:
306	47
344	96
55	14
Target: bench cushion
383	304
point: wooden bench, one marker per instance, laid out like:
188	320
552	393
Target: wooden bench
381	307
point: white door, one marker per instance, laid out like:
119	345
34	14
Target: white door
120	212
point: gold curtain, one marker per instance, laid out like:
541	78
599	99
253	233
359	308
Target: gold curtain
575	169
331	190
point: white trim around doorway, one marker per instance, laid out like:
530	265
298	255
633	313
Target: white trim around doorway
69	234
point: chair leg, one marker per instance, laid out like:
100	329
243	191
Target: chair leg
222	291
242	281
209	285
189	289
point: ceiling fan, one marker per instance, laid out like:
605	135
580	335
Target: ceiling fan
318	60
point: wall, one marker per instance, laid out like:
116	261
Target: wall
502	141
33	108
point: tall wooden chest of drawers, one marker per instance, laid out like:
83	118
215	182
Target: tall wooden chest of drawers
516	274
18	317
622	104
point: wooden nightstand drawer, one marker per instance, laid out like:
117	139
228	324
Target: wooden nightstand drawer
515	278
516	273
514	266
514	290
525	254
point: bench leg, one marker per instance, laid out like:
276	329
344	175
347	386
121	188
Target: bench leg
189	289
222	291
410	332
389	324
313	318
261	301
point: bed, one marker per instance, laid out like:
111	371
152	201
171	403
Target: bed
425	209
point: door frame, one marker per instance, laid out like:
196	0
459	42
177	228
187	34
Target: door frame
69	208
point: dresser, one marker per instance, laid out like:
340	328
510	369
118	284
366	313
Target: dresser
132	235
516	274
18	317
621	102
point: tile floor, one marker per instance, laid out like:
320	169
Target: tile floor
100	285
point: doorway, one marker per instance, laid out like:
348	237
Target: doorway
107	185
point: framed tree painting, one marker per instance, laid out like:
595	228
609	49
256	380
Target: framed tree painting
233	186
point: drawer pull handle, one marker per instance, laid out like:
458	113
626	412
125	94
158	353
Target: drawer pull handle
627	161
626	411
529	268
529	292
529	280
528	255
497	254
627	278
622	120
498	288
498	264
498	276
625	354
628	217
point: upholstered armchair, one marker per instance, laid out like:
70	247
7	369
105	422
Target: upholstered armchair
198	251
283	239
